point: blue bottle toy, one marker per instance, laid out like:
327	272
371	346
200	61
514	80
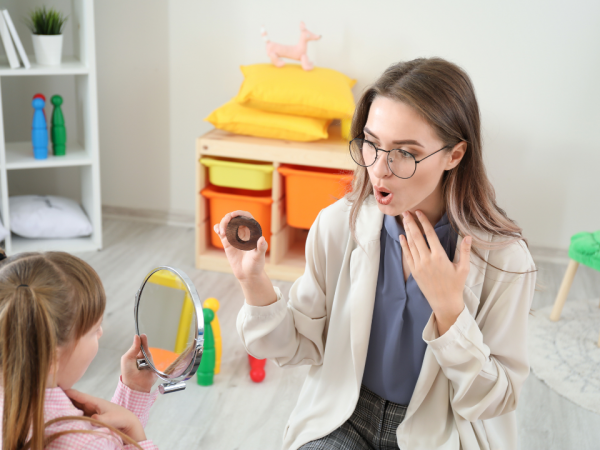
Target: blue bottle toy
39	130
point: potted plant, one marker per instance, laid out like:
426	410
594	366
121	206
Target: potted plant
46	27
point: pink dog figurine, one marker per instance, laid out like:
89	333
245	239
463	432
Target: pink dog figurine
297	52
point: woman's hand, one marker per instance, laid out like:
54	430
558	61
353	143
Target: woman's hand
441	281
132	377
248	266
109	413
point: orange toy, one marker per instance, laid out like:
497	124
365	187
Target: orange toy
162	358
226	200
309	190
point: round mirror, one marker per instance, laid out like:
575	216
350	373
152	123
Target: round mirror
168	311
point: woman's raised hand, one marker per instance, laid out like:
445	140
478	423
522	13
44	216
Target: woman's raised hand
246	265
441	281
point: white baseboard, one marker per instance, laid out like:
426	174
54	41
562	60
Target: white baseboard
172	218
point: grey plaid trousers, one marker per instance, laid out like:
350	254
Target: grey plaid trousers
372	426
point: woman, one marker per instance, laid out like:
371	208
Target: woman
415	341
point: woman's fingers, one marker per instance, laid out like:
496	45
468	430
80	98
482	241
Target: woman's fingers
410	239
221	227
432	238
416	241
406	252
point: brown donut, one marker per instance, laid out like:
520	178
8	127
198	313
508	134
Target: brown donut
234	238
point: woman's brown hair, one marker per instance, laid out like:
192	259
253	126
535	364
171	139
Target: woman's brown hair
442	93
47	300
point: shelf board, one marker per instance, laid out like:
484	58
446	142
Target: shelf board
20	244
19	155
331	152
70	66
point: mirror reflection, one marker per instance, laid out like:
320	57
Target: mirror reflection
167	316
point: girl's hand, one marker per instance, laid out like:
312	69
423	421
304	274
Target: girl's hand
109	413
441	281
246	265
132	377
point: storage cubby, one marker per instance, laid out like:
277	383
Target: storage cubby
285	260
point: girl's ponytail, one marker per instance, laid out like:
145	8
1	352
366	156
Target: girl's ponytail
27	343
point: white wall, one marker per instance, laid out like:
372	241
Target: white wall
535	66
164	65
132	61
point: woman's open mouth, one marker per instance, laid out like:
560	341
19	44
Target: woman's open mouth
382	195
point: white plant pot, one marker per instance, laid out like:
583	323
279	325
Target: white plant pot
47	49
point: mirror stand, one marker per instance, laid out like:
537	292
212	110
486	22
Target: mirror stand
167	388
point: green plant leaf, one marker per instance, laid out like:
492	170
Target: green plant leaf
46	21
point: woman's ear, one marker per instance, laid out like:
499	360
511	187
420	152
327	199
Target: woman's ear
456	155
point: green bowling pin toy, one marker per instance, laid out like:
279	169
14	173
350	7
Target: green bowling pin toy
206	370
59	132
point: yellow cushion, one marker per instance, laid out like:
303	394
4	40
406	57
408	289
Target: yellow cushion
240	119
322	93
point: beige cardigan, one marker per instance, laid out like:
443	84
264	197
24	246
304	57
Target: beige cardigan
469	404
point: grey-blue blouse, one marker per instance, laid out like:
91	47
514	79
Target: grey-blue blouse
396	346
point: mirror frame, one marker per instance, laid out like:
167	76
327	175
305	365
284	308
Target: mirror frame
174	384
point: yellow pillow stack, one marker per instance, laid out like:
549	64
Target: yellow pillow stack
287	103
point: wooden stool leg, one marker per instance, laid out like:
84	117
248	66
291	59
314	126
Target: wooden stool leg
564	290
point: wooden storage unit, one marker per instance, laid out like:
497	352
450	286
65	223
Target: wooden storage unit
285	261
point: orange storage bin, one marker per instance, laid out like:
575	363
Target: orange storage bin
225	200
310	189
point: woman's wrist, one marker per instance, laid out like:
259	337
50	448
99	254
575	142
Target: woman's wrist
258	290
447	317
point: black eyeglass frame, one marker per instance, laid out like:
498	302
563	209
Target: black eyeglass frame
377	150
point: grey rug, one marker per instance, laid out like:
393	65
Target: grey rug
565	354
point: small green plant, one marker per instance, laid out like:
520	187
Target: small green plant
46	21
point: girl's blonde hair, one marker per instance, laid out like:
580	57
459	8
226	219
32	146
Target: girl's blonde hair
47	300
442	93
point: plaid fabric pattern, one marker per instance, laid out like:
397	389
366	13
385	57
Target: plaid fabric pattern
57	404
372	426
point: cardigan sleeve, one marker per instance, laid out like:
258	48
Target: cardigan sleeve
485	358
291	333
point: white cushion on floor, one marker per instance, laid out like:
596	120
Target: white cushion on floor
47	216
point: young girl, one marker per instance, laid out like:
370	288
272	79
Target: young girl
51	308
414	342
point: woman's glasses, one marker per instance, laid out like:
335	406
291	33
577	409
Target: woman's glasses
401	163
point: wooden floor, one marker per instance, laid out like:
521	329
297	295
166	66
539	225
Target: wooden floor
236	413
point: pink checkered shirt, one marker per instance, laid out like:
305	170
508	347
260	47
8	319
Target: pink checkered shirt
57	404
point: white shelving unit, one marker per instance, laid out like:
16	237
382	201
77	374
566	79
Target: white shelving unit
84	154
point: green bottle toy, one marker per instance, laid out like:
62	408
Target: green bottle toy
206	370
58	131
